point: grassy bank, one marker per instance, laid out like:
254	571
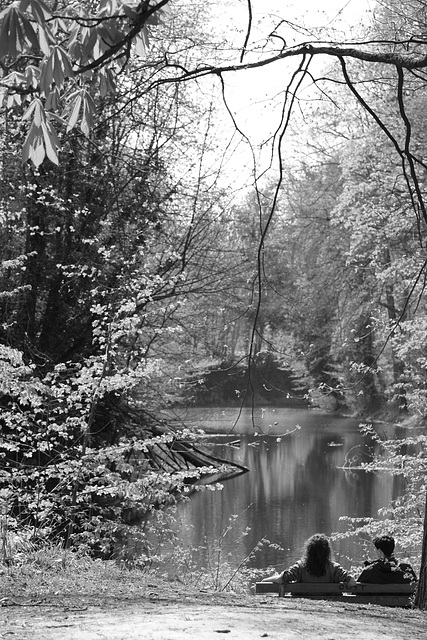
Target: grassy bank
52	572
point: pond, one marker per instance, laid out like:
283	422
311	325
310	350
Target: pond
298	484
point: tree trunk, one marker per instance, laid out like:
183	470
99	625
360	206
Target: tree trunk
420	601
398	369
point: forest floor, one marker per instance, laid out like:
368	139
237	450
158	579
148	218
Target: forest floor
129	609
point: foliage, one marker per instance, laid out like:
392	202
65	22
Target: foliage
55	487
97	265
404	458
109	262
62	45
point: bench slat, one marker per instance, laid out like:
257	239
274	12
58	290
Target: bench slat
363	588
315	588
266	587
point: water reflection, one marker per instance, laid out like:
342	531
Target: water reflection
296	486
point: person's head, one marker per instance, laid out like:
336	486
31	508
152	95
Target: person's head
317	554
385	544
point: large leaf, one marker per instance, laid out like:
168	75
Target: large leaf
109	35
65	62
12	38
88	42
140	46
41	139
34	106
33	148
4	32
89	110
107	7
44	39
24	4
75	111
45	78
30	34
56	70
13	99
107	82
32	75
39	9
53	100
14	79
51	142
130	12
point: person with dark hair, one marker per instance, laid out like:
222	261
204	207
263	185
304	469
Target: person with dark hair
315	565
386	569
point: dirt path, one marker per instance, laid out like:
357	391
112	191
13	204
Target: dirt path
208	618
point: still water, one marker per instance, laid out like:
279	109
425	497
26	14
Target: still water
298	484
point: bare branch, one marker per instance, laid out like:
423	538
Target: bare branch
403	61
408	153
248	33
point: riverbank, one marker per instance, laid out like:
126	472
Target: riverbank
103	601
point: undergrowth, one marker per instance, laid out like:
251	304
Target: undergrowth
38	572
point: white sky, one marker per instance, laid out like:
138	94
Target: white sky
340	15
320	13
249	93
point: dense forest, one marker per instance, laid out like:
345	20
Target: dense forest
153	255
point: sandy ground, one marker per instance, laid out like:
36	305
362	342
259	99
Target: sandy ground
208	618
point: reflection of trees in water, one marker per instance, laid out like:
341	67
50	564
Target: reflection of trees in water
351	477
295	487
355	456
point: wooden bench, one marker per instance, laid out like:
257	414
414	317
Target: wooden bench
388	595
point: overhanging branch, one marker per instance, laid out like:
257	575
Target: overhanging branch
408	61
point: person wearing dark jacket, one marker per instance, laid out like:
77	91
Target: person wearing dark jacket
386	570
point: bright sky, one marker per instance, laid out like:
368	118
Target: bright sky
319	13
249	93
339	15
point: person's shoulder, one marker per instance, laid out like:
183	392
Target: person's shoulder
369	572
296	566
293	573
371	563
298	563
370	569
407	570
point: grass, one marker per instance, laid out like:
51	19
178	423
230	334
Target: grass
39	572
52	573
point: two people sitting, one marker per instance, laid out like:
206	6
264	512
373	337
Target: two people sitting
316	565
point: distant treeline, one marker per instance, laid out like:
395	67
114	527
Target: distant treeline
236	384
